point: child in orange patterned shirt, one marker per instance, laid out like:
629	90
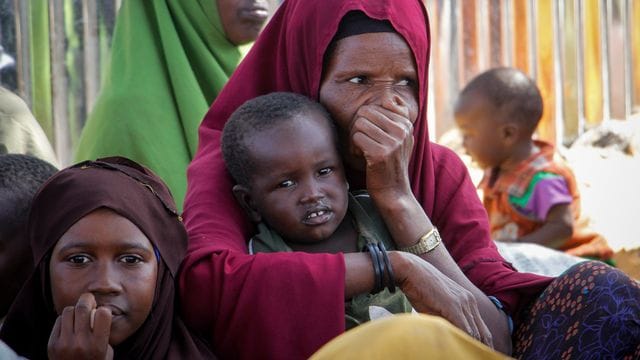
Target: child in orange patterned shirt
530	194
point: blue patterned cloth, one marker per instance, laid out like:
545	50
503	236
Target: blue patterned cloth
591	311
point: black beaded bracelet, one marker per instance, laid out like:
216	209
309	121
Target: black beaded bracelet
378	269
390	278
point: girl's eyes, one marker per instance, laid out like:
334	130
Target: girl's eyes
286	184
78	259
325	171
84	259
131	259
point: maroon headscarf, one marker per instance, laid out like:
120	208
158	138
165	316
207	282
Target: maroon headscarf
288	305
137	194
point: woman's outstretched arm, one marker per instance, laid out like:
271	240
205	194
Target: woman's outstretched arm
387	155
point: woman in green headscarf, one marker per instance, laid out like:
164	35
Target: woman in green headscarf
169	61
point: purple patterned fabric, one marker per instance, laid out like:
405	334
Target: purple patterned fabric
590	312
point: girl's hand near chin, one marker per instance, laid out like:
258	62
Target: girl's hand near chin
81	332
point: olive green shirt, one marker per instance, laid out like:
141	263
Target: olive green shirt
370	228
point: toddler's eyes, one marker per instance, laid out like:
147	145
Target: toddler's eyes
78	259
325	171
286	184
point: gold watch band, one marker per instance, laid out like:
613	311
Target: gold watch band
427	243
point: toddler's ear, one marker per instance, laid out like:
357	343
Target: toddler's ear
243	197
510	132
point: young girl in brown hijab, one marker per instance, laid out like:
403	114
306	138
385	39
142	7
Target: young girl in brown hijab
107	242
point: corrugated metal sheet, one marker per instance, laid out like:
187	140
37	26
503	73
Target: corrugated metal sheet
584	55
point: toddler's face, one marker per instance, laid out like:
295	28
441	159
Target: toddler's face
480	130
299	188
107	255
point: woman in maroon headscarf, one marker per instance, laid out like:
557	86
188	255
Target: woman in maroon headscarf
372	77
107	242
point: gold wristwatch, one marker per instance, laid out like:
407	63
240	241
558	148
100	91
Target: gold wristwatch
427	243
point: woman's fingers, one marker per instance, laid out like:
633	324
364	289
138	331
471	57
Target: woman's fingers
392	124
430	291
389	134
485	334
469	315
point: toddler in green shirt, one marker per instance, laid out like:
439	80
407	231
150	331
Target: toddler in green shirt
282	151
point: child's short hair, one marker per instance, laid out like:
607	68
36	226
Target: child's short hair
20	178
510	91
257	115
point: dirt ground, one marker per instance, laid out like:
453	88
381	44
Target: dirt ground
606	162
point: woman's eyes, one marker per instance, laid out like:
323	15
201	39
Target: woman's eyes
362	80
358	80
406	82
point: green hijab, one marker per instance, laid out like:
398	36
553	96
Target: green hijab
169	61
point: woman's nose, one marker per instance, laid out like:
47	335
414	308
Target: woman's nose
385	94
105	280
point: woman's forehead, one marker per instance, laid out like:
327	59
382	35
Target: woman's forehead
381	49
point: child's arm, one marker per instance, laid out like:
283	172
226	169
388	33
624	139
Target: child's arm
557	228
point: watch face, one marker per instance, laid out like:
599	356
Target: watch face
427	242
434	239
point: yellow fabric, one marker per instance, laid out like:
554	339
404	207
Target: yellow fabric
406	336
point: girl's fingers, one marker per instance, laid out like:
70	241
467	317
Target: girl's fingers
55	332
102	323
93	317
67	321
82	312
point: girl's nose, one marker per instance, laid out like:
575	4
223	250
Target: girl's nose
106	280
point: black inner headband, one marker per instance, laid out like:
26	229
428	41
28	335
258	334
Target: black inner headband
357	22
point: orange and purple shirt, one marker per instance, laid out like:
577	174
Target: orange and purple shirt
518	201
